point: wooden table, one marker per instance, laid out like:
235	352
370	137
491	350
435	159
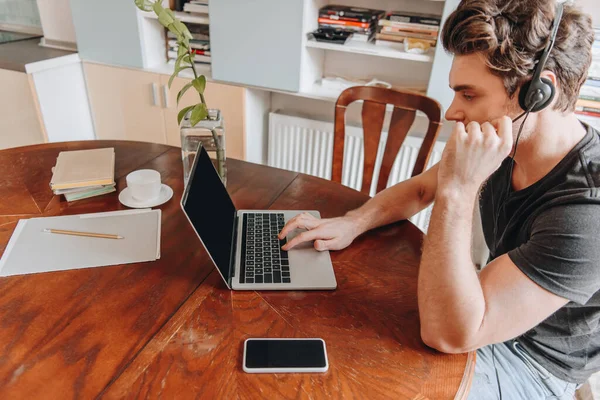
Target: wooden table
171	329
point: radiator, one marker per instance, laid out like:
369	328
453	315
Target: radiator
305	145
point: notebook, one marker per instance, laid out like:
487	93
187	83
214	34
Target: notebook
81	168
56	252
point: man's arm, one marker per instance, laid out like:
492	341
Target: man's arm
396	203
461	311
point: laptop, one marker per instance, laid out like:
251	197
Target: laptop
244	244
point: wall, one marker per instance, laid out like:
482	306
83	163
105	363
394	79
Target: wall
20	12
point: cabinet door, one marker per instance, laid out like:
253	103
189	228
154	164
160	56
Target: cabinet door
126	104
19	122
257	43
227	98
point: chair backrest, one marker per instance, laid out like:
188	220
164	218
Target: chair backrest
375	101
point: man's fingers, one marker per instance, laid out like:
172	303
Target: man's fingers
505	131
301	238
300	221
323	245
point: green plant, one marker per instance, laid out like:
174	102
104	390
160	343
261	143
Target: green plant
185	60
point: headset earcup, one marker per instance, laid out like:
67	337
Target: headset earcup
523	95
545	87
549	93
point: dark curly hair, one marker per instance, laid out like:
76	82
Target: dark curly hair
512	34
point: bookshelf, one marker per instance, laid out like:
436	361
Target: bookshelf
370	49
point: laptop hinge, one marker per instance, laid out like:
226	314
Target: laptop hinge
233	248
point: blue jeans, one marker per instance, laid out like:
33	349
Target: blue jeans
519	375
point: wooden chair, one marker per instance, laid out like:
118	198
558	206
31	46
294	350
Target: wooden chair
375	100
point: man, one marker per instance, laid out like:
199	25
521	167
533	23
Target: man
533	312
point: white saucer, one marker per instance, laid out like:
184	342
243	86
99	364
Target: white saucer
165	195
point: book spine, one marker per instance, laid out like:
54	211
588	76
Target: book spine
393	31
414	19
344	23
347	28
344	18
415	27
590	98
588	113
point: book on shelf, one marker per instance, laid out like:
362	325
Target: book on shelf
590	98
588	103
587	113
592	82
400	38
390	30
198	58
329	21
194	44
362	37
409	26
415	18
353	29
344	13
196	7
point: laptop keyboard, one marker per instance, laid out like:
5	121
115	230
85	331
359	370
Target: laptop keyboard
263	261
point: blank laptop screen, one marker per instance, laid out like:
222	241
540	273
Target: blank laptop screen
211	211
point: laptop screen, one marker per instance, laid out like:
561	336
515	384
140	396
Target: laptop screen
211	211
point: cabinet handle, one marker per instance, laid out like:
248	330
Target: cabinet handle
155	94
166	95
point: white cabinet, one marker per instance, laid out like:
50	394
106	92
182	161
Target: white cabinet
126	103
20	124
257	43
132	104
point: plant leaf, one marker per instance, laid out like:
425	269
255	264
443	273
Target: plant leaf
176	72
198	114
182	114
182	91
185	32
143	5
164	18
157	7
181	51
200	84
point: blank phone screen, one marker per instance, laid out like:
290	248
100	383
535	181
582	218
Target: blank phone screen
277	353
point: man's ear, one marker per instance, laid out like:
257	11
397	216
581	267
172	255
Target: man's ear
552	76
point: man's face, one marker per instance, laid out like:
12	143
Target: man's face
480	96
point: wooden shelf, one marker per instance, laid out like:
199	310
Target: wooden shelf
182	16
370	49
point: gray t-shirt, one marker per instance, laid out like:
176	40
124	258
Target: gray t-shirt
551	231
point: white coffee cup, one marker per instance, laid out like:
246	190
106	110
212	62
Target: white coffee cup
144	184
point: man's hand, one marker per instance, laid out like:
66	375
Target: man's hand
328	234
473	153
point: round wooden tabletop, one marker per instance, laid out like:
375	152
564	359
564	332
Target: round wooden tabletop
172	329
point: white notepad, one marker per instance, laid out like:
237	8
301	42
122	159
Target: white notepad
31	250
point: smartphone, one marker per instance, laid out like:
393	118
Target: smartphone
268	355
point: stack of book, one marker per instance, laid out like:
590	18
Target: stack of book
398	26
82	174
361	22
199	44
196	7
588	105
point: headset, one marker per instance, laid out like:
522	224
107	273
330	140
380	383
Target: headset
534	96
